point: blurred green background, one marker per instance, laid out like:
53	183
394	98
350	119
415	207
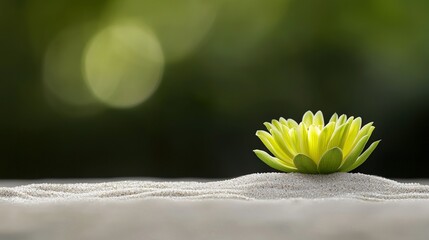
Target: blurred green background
169	88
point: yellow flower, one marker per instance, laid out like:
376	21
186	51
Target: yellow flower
313	147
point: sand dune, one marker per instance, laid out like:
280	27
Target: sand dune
265	186
257	206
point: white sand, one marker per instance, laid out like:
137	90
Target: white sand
257	206
265	186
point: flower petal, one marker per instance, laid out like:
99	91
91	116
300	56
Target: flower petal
346	132
272	146
363	157
277	125
278	137
289	143
304	164
336	137
273	162
368	131
307	119
318	119
331	161
334	118
283	121
341	120
268	126
303	138
292	123
365	130
325	135
293	134
354	154
351	136
313	143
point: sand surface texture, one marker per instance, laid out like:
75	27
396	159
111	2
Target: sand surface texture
256	206
267	186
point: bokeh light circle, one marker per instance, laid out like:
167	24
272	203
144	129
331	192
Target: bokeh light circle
123	64
63	81
180	26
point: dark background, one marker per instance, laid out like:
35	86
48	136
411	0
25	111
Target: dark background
229	66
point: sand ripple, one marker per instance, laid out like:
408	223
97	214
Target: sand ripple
262	186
